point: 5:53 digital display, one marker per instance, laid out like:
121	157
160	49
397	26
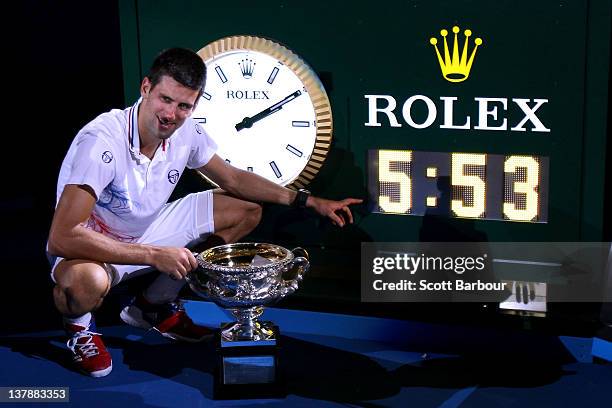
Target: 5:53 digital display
459	185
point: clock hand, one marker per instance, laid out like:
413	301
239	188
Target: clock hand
249	121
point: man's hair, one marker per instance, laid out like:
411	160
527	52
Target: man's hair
182	65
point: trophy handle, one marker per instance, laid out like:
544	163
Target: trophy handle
300	264
199	287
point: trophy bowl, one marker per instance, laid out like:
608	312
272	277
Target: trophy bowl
245	277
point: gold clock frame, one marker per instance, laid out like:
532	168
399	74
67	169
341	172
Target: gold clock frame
314	87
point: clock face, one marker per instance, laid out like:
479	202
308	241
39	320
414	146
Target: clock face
265	108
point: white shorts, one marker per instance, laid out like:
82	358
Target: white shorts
180	223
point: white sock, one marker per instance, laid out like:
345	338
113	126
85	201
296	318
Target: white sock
82	321
163	290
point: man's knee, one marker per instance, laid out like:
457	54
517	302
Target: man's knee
248	217
231	213
253	214
81	286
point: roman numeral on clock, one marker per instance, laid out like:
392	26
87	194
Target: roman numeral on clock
221	74
294	150
275	169
272	76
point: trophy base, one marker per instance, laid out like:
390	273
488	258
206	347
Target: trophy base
248	368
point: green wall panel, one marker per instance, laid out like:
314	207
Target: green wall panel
552	50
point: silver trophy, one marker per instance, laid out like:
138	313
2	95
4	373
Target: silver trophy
245	277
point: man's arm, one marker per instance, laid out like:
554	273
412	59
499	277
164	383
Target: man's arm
250	186
69	238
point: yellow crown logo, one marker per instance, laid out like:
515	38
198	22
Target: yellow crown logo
455	69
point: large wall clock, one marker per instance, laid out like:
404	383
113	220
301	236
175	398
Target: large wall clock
266	109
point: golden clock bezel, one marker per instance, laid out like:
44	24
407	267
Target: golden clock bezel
314	87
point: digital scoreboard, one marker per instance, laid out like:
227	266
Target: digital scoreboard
461	185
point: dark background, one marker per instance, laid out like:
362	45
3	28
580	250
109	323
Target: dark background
63	65
64	68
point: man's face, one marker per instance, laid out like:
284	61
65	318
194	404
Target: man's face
164	107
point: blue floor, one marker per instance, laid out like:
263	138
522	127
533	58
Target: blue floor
329	360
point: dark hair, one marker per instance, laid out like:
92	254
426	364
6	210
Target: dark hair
182	65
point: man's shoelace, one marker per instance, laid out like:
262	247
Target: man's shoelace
87	348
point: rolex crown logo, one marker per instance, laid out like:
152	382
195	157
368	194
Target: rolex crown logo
247	66
455	68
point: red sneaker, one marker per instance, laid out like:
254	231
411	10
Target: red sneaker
169	319
89	353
